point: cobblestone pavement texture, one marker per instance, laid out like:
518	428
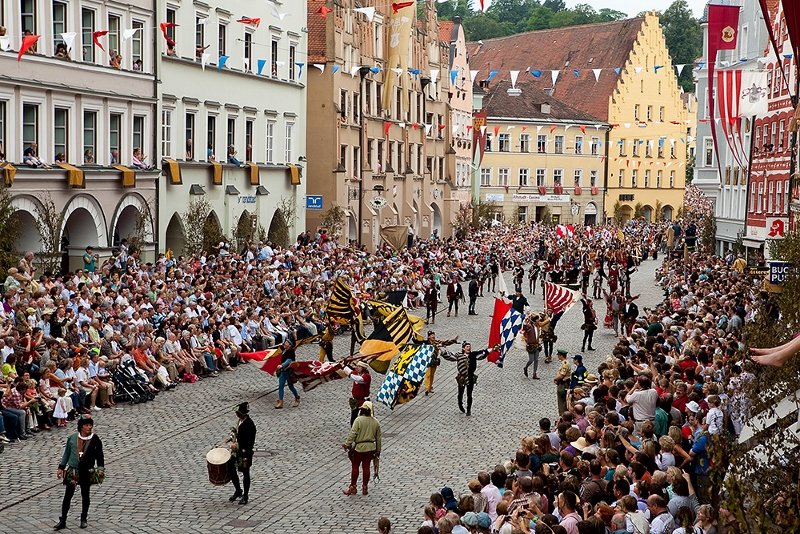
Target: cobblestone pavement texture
155	452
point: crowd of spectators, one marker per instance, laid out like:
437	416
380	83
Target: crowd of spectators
641	445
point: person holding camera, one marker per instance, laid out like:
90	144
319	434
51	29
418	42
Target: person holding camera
643	402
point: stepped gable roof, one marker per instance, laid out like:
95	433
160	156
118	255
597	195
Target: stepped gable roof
605	45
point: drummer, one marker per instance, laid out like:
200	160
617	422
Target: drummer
242	440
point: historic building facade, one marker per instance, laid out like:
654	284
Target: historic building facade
543	159
73	112
232	118
621	73
378	122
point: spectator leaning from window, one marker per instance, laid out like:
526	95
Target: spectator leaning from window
60	158
62	52
137	65
32	49
88	156
210	154
189	150
31	157
115	60
139	160
114	156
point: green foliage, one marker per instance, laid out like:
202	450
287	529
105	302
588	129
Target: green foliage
334	220
49	222
638	211
507	17
194	222
617	212
9	231
684	38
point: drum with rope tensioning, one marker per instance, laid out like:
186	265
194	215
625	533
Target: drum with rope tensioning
218	459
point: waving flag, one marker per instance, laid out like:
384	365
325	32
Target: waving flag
270	359
559	298
247	20
343	308
404	378
396	331
312	373
506	323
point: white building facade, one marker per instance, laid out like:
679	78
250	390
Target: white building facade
232	110
83	115
729	191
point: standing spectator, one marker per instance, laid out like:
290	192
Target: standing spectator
82	464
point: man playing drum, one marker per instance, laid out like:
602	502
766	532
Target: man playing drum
242	440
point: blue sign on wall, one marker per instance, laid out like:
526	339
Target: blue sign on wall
314	202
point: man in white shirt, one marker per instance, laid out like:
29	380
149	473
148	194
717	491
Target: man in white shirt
661	521
491	493
642	400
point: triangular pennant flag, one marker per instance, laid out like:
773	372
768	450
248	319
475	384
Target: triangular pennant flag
335	69
453	76
656	68
324	11
280	63
617	70
483	130
473	74
246	64
222	61
402	125
583	128
539	128
353	71
415	72
247	20
398	71
597	74
536	73
97	35
260	65
5	43
567	127
455	129
320	66
496	131
514	75
27	42
204	60
509	128
368	11
554	76
300	69
428	129
492	74
576	72
203	21
638	70
128	33
434	75
69	39
680	68
375	70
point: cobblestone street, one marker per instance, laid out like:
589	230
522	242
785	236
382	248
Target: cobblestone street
155	452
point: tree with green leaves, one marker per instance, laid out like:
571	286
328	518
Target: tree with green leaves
9	230
684	38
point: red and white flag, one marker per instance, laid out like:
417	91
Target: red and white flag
559	298
270	359
312	373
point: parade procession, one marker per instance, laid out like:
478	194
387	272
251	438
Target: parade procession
423	267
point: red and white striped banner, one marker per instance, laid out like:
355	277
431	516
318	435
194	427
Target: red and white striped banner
559	298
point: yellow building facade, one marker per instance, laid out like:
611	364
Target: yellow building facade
650	132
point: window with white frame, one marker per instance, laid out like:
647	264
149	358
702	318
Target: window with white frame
87	29
576	180
541	144
649	113
658	179
114	136
486	177
248	50
114	23
621	179
230	138
3	126
636	108
89	136
647	178
779	208
760	197
622	145
488	142
770	198
137	54
671	179
635	151
523	177
59	21
558	175
578	145
248	140
138	133
222	38
753	195
189	134
269	145
634	178
502	177
288	156
200	22
504	142
274	57
559	144
785	197
522	213
28	16
211	138
595	146
541	177
292	60
708	160
166	133
525	143
60	132
782	134
593	178
648	149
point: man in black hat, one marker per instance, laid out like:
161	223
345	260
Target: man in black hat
243	439
473	290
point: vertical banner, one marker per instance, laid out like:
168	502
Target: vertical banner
723	28
478	149
400	23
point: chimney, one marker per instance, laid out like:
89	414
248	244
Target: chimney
545	108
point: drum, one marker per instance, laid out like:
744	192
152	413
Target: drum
218	466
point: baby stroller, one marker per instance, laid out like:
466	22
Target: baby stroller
131	386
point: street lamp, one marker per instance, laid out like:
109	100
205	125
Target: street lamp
357	193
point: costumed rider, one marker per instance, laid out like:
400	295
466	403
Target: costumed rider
242	440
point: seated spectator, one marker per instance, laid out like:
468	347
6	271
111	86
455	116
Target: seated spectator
60	158
62	52
138	160
114	157
137	65
115	60
189	150
88	156
232	159
30	157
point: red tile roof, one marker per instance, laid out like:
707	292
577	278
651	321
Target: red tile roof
317	32
528	105
593	46
446	30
